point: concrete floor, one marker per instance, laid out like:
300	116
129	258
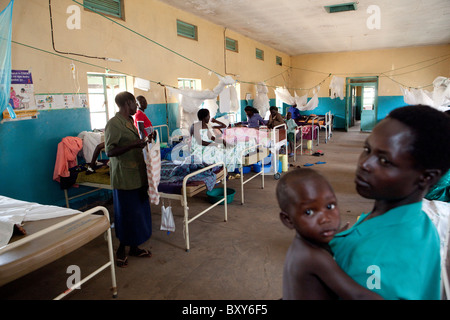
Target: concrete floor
241	259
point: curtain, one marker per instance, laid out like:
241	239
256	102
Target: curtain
5	59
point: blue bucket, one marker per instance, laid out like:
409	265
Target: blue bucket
267	168
246	169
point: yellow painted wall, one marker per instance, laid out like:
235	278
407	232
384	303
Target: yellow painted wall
411	67
142	57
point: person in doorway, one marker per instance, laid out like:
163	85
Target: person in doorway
395	248
123	146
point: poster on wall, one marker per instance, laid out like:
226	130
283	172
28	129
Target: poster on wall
22	90
21	96
53	101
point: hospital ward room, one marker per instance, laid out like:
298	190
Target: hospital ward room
230	154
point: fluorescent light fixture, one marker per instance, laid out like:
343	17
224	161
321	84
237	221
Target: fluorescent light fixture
113	60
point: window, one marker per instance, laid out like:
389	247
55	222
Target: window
279	61
231	44
259	54
194	84
186	30
183	121
109	7
102	90
368	98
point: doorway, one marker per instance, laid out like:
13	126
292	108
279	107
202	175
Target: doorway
361	105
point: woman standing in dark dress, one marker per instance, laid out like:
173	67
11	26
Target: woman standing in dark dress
132	216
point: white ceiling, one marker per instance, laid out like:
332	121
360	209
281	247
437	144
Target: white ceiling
303	26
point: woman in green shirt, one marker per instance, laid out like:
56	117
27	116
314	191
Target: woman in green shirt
132	216
394	249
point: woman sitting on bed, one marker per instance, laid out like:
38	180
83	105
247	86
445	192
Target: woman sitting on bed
210	148
254	119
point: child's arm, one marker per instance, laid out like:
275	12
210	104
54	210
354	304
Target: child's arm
339	282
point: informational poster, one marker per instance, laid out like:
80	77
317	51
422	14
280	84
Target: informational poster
22	90
21	96
51	101
26	103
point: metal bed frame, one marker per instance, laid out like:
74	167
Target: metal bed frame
251	159
184	203
181	197
34	237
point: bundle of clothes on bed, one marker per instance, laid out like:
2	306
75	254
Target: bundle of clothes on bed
173	173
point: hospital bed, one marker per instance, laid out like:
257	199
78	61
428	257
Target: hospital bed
271	139
327	124
278	138
307	130
160	128
249	156
181	192
48	240
191	190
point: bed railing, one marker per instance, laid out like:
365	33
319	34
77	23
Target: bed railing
254	176
184	202
66	222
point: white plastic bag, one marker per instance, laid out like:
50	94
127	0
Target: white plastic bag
167	222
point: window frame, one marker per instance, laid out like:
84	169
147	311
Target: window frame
187	24
120	15
262	54
236	45
278	61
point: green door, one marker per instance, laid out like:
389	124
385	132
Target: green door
368	88
369	107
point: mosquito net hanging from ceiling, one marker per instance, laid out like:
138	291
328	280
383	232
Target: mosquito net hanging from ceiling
192	100
439	98
302	102
5	59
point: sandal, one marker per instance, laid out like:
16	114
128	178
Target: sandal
122	263
144	253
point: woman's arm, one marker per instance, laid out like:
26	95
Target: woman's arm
328	271
220	124
261	121
117	151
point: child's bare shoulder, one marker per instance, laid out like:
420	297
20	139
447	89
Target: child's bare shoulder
309	255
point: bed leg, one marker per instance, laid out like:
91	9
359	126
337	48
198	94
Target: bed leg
111	258
225	192
186	225
67	198
242	182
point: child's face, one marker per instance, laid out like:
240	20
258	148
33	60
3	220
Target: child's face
288	115
273	112
314	213
386	169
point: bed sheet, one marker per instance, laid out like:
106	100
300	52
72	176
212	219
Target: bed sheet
14	211
172	176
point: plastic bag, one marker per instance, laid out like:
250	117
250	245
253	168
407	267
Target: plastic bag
167	222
